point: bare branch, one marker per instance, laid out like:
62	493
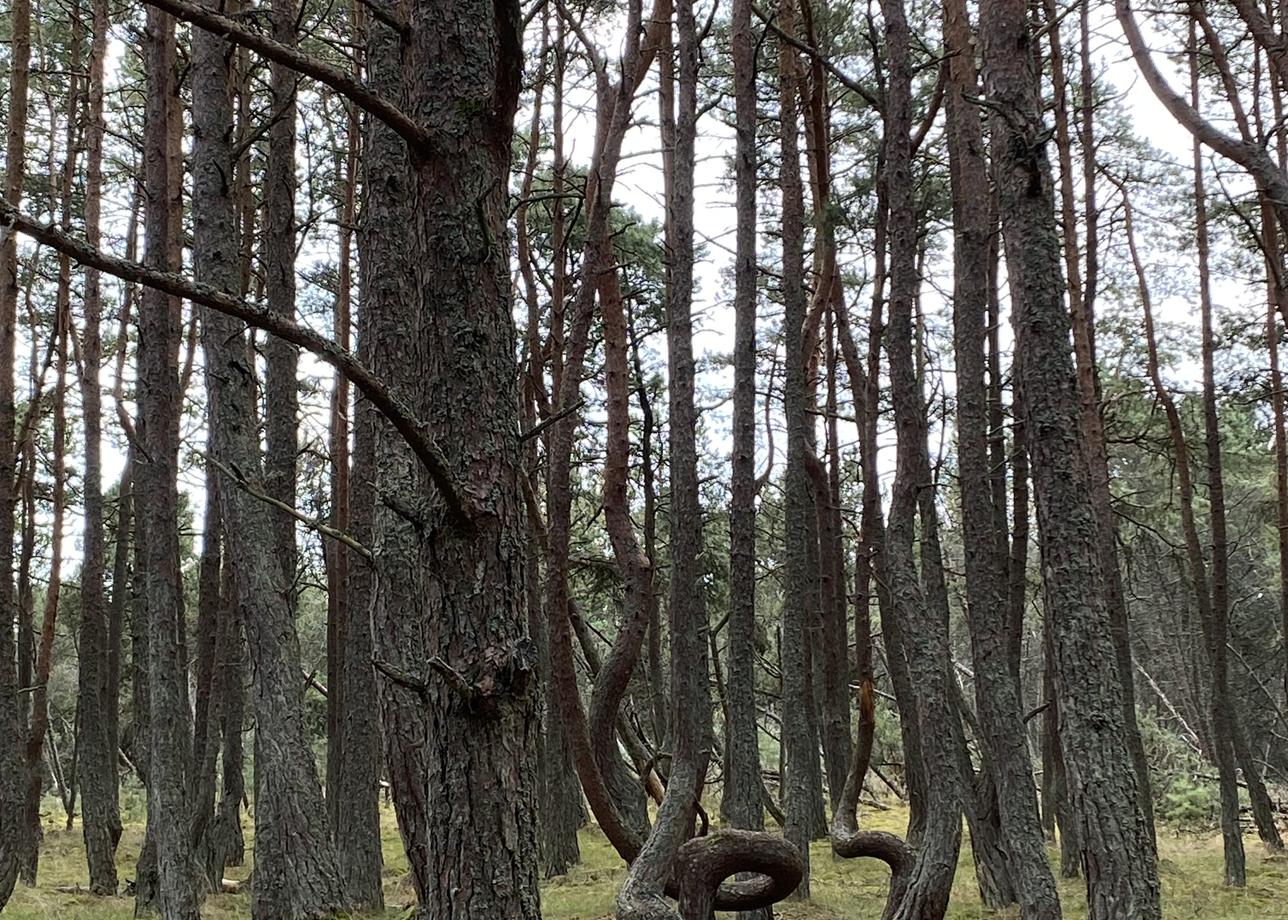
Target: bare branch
460	506
339	80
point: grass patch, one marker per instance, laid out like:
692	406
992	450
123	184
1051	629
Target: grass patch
1190	866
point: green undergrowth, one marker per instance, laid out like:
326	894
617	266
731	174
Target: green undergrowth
842	890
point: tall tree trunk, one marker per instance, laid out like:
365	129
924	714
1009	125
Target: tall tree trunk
799	748
833	661
353	791
169	717
919	605
206	704
1118	852
741	805
1081	289
278	257
381	461
476	683
11	772
1226	729
997	688
700	865
295	873
95	743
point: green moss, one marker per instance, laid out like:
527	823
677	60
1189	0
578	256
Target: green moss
842	890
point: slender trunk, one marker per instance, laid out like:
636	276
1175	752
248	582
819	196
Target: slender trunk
159	331
1226	727
1223	755
353	791
95	743
799	750
278	257
35	773
206	704
919	605
740	805
11	772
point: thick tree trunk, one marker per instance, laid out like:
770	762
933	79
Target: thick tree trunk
1118	852
474	678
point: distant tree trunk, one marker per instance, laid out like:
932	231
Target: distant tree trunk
799	747
1223	754
35	773
169	717
997	687
698	871
1226	727
206	705
741	805
833	633
11	771
120	602
1277	300
561	809
1118	851
225	842
96	755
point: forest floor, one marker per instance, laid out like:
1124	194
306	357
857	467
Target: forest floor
842	890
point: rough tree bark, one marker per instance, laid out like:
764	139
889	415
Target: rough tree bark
740	804
997	688
799	749
1118	852
916	601
476	684
169	721
295	873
